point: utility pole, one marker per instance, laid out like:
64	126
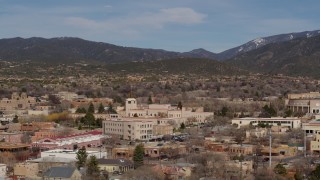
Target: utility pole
241	161
270	142
305	143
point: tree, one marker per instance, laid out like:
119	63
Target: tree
280	169
99	122
111	110
81	110
180	105
92	166
288	113
182	126
81	157
150	100
91	108
268	112
224	111
15	119
138	155
316	173
89	119
101	108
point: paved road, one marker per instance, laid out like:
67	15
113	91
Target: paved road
293	158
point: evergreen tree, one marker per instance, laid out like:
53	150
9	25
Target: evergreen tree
224	111
111	110
81	110
99	122
138	155
182	126
101	108
91	108
15	119
150	100
180	105
81	157
89	119
92	166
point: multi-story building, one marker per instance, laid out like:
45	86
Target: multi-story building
164	129
130	128
304	102
165	110
17	102
274	121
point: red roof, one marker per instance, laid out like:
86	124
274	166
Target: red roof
93	133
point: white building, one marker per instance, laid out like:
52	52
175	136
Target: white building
274	121
67	95
130	128
311	127
70	154
165	110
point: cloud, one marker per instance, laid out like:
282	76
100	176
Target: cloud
185	16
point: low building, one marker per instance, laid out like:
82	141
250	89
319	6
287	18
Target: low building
45	134
87	139
112	165
26	170
70	154
245	149
315	144
215	146
36	126
293	123
11	137
44	163
12	152
122	152
257	132
283	150
312	127
171	150
63	173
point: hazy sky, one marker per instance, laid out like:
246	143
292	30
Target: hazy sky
178	25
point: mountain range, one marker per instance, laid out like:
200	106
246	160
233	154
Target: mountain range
292	54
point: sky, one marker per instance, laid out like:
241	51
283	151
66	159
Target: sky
174	25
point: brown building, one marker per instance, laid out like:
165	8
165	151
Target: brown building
12	152
10	137
244	149
36	126
215	146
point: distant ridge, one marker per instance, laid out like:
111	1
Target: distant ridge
71	49
260	42
68	49
298	57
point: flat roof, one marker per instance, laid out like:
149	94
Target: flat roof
6	145
267	119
